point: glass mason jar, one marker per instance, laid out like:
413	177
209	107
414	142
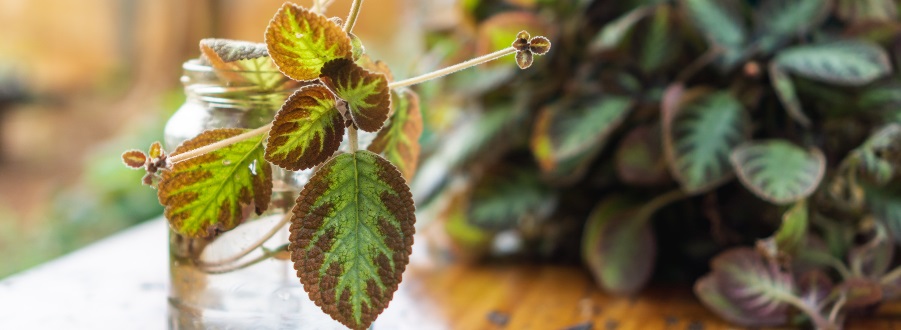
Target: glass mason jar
215	284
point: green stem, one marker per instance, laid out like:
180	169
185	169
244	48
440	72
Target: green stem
352	17
660	201
218	145
891	277
818	320
453	68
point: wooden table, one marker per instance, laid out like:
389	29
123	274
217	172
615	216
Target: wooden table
84	291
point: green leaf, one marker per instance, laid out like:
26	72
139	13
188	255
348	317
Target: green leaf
366	93
661	44
215	192
792	234
779	171
698	137
640	158
506	200
779	20
242	63
301	42
846	63
744	289
399	142
863	11
563	132
618	246
881	155
885	204
306	131
785	89
351	236
723	23
612	34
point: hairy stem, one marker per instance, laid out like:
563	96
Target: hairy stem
254	261
352	139
259	243
218	145
352	17
660	201
453	68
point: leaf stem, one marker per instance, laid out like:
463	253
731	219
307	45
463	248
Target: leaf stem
352	139
218	145
266	255
453	68
818	320
655	204
259	243
352	17
892	276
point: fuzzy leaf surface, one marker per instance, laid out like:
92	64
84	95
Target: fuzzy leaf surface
301	42
562	133
779	171
306	131
216	191
846	63
743	288
367	94
619	246
698	137
399	142
351	236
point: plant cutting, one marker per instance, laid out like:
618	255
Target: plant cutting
750	147
351	225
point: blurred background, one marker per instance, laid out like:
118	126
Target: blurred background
82	81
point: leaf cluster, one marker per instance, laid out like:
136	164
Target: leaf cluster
735	119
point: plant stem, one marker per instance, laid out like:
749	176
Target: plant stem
818	320
454	68
352	138
655	204
892	276
259	243
266	255
218	145
352	17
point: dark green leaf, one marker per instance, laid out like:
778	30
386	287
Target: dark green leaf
863	11
614	32
619	246
640	158
885	204
880	156
847	63
565	132
785	89
723	23
779	171
698	137
351	236
780	20
505	200
216	191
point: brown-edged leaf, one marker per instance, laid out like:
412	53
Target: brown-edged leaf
301	41
306	131
134	159
366	93
216	191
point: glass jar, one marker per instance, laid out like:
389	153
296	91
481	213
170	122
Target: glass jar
214	283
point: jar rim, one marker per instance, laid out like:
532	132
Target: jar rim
194	65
